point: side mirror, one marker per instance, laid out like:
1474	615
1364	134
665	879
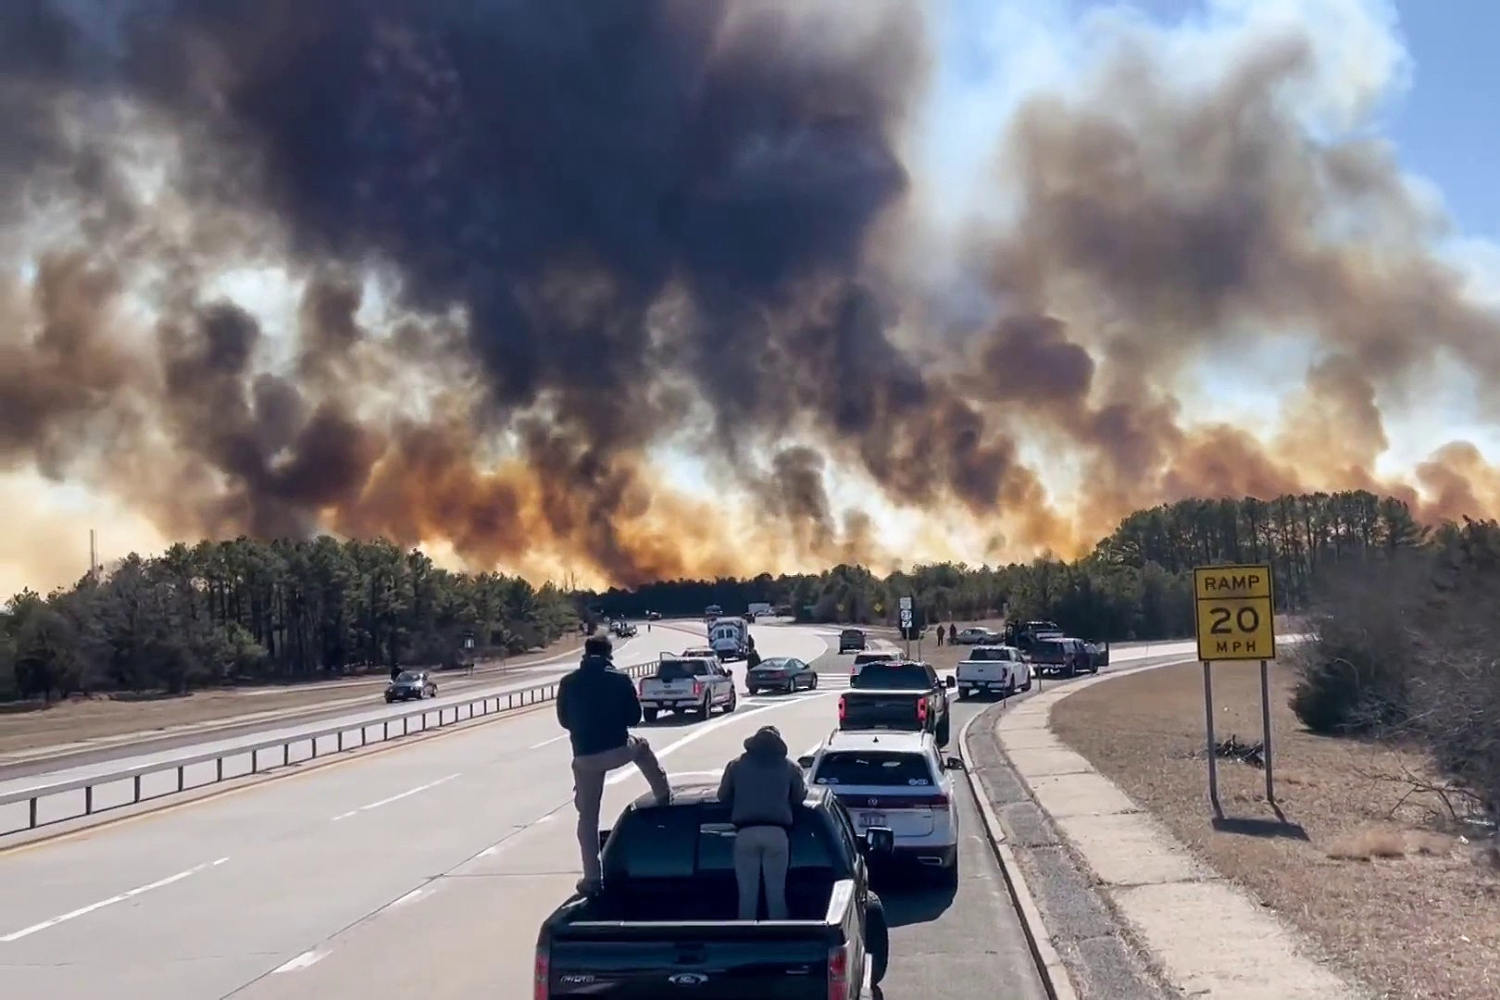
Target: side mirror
804	762
950	681
603	839
881	841
954	764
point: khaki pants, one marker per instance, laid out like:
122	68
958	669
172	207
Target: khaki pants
588	789
761	850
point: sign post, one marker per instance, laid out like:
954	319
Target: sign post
1235	612
906	622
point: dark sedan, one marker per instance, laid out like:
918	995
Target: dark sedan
780	673
411	684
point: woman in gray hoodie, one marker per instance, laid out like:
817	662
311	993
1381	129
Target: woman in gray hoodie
762	787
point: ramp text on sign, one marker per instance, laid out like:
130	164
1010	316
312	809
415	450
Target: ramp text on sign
1235	612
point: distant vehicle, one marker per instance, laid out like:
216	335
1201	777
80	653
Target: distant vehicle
1063	656
973	636
872	656
730	638
994	670
903	695
895	780
665	919
1098	654
623	629
688	686
780	673
712	611
653	616
851	638
1026	635
760	609
411	684
706	652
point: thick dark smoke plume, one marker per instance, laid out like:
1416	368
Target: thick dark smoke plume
603	228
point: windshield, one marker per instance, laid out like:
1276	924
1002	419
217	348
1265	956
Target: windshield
853	633
408	676
862	658
993	653
900	676
778	663
850	767
676	670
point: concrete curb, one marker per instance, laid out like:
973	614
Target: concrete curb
1054	972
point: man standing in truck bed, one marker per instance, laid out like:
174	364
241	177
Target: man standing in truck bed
597	705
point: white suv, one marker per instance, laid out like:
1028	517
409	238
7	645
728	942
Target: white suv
896	780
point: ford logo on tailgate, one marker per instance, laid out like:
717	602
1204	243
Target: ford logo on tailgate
687	979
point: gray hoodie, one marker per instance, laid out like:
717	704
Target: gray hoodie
761	785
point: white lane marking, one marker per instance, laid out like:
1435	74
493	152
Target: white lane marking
302	961
547	743
120	898
626	773
410	897
398	797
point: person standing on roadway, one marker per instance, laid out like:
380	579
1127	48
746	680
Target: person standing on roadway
597	705
762	787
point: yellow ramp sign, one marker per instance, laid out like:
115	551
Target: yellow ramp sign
1235	612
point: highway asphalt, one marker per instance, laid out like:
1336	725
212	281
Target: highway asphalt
425	870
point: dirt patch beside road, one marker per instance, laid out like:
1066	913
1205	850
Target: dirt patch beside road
76	720
1411	911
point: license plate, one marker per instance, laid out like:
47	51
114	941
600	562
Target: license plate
869	819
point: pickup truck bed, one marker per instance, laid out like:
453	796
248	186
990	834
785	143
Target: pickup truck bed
665	924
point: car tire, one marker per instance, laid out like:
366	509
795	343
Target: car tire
943	732
649	714
877	938
734	701
706	709
814	686
963	694
389	700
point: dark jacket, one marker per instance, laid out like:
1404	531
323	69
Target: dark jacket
761	785
597	705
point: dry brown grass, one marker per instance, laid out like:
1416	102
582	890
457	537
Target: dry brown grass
1394	901
78	719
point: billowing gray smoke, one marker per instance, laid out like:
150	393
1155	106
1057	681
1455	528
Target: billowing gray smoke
604	226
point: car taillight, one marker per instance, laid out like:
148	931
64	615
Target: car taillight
838	973
842	708
921	709
541	990
697	688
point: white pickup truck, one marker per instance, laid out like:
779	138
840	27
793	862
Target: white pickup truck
694	685
994	670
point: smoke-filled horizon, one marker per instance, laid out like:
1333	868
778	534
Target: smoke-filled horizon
537	247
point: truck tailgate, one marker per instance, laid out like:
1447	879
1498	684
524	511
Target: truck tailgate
788	963
881	708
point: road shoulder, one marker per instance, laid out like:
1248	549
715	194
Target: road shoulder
1132	912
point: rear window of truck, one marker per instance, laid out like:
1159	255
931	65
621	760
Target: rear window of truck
899	677
677	670
683	842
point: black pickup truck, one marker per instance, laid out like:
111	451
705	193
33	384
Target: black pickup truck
664	923
1067	657
897	694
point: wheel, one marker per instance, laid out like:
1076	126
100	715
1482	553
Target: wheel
733	702
877	938
948	877
963	694
814	683
707	707
942	732
389	699
649	714
791	686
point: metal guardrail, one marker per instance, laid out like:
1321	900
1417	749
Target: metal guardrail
446	715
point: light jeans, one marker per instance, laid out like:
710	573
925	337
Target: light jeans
589	772
761	850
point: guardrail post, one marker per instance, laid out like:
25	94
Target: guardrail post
405	724
88	799
137	788
341	740
254	755
362	734
286	754
385	728
33	814
219	769
179	777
